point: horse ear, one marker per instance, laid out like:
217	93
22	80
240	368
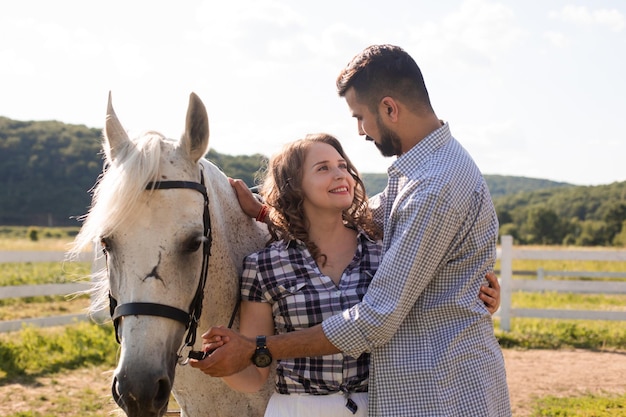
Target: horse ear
115	137
196	137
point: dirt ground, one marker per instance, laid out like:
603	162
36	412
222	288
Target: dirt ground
531	374
563	373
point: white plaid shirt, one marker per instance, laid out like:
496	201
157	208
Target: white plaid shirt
286	276
433	349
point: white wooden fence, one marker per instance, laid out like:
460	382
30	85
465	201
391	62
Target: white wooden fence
44	289
506	254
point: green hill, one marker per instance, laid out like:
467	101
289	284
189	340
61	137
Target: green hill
47	169
499	185
573	215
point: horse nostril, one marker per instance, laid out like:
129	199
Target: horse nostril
162	397
115	392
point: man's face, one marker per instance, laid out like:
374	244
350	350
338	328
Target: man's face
389	143
372	127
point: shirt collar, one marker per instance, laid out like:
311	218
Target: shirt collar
418	154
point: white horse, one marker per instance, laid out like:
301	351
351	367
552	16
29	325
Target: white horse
147	213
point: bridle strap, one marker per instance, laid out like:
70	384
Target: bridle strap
189	319
151	309
168	185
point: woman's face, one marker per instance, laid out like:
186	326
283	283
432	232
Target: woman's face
326	182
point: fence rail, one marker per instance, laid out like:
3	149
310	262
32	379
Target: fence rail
21	291
507	253
41	256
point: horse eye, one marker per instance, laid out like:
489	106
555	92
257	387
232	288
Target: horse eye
105	242
193	244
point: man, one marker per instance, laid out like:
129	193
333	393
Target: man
433	351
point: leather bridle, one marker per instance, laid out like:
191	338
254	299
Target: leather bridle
189	319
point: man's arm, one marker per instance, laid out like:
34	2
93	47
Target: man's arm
252	206
236	353
237	350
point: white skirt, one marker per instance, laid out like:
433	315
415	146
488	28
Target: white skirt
306	405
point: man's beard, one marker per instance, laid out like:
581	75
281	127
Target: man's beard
390	144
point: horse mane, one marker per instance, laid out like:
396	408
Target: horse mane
114	199
118	189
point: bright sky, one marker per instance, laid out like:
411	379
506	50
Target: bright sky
531	88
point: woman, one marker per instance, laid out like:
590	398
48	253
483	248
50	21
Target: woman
323	251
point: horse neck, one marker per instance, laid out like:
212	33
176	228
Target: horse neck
234	235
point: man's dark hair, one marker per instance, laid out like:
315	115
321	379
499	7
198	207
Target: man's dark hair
385	70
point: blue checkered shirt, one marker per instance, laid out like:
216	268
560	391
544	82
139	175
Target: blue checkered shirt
433	349
286	276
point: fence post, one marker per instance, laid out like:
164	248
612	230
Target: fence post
540	274
506	277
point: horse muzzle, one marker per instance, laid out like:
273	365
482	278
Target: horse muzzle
144	394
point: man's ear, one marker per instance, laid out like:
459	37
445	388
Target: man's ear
389	108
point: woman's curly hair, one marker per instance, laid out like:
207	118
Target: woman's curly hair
282	192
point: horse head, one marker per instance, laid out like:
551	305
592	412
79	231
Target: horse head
151	213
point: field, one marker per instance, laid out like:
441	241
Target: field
565	382
554	367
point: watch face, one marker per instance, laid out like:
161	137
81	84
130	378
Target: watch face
262	359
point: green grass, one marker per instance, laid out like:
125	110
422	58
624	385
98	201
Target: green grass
36	238
555	300
38	232
34	352
49	306
584	406
44	351
532	333
526	333
63	394
33	273
83	401
529	333
566	265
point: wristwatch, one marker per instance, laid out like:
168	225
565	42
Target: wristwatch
262	357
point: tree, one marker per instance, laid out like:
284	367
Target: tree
510	229
614	219
620	238
504	217
47	169
593	233
543	226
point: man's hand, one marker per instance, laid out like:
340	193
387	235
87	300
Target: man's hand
248	202
491	294
233	353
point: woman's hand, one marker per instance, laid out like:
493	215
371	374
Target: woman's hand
210	344
248	202
491	294
231	357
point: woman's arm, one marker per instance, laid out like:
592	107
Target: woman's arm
255	319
